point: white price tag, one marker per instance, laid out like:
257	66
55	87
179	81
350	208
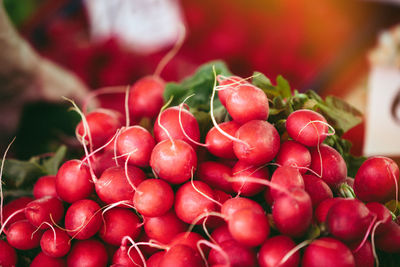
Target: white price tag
144	25
382	136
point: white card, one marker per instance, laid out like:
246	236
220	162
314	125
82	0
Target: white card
145	26
382	136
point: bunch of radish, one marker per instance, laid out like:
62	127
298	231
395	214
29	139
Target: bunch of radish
250	190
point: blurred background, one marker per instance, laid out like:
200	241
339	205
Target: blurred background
319	45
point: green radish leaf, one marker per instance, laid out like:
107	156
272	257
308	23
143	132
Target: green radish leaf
20	174
52	164
283	87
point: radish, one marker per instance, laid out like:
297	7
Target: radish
249	227
237	255
181	256
349	220
8	256
227	85
118	183
292	213
136	143
234	204
146	97
102	124
307	127
247	102
42	260
214	174
55	243
82	219
46	209
189	239
317	189
260	142
15	205
383	216
292	153
104	160
327	251
364	257
242	172
117	223
127	257
87	253
323	208
155	259
73	181
23	235
220	145
192	200
389	240
329	164
173	161
221	234
163	228
153	197
274	250
377	180
169	120
285	177
45	186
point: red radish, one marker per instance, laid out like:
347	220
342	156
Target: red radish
83	219
21	235
238	255
117	183
181	256
214	174
102	123
383	215
323	208
249	227
285	177
104	160
169	119
227	85
267	196
155	259
8	256
136	143
364	257
247	103
119	222
173	160
220	145
13	206
389	239
349	220
292	153
317	189
55	243
87	253
241	172
234	204
146	97
332	168
73	181
260	144
327	251
307	127
221	234
42	260
189	239
221	196
275	249
46	209
147	250
153	197
377	180
164	228
192	200
127	257
45	186
292	213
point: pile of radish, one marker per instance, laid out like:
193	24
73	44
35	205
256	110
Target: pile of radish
247	174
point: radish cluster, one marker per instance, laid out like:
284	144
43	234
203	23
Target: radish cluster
249	196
